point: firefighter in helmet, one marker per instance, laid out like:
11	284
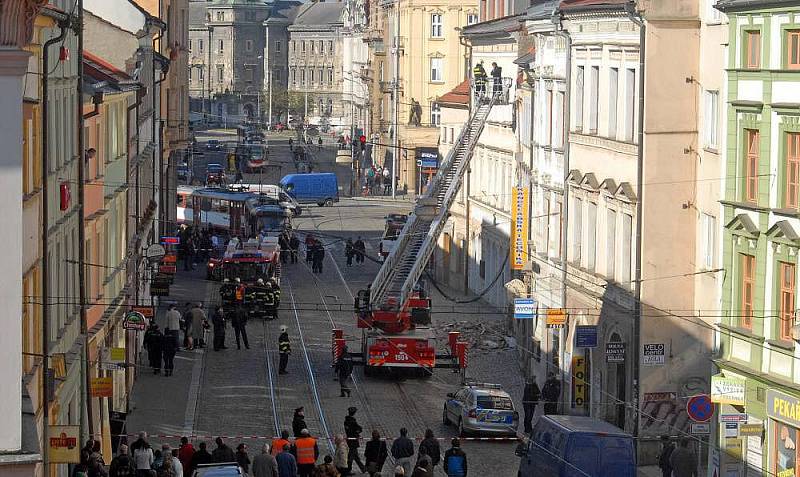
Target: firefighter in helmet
270	308
259	292
227	295
276	290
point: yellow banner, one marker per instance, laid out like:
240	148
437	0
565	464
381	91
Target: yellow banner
63	445
101	387
519	228
579	378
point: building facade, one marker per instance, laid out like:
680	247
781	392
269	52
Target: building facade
276	58
758	333
355	63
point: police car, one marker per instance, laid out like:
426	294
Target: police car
481	408
228	469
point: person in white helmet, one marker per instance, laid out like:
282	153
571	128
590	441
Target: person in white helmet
285	349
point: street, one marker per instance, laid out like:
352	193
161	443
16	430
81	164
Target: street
238	393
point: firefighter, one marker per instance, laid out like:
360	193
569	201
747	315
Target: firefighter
227	294
276	290
268	302
252	295
285	349
479	75
260	295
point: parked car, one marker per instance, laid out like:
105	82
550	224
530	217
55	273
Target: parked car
213	145
481	408
566	446
228	469
183	172
317	188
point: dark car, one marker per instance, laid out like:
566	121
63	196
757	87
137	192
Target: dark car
183	172
215	174
213	145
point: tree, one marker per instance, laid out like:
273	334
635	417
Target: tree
292	102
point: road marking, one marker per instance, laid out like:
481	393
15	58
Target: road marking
194	392
271	383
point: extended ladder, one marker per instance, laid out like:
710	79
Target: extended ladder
406	263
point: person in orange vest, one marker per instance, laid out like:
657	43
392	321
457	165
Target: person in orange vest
307	453
277	444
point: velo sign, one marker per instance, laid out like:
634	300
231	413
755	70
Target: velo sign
700	408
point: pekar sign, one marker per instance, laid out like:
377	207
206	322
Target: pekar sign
783	407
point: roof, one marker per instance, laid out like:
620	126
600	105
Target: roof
458	96
576	5
318	13
527	58
101	76
285	11
504	26
541	9
744	5
585	424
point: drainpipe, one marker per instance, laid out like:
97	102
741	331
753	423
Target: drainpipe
157	151
62	25
565	172
468	45
636	18
97	100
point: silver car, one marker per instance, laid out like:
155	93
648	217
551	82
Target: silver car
481	408
230	469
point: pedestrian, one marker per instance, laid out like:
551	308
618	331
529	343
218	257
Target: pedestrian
327	469
187	326
185	454
310	240
153	343
307	453
97	467
344	368
199	322
166	469
353	431
319	256
360	249
201	457
287	463
81	469
299	422
667	447
497	79
168	348
219	322
122	465
424	465
242	458
173	323
284	349
551	391
399	471
264	464
283	242
375	453
171	455
294	245
277	444
239	323
430	447
403	451
683	461
349	251
222	453
455	460
340	456
530	398
143	456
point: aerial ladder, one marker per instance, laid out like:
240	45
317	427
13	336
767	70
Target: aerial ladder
393	312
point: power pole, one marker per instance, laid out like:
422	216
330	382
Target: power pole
210	29
269	78
396	91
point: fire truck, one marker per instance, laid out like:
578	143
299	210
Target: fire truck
394	312
248	261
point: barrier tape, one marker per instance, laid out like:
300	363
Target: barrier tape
364	439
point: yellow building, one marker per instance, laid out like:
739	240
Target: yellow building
432	61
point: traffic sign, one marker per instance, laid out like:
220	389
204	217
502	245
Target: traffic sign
700	408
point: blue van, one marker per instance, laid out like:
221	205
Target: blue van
317	188
576	446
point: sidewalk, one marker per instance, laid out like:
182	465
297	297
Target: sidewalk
164	405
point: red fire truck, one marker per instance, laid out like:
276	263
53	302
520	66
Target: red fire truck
247	261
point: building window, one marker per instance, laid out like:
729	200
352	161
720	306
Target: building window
202	74
220	16
311	76
792	170
248	74
321	47
277	46
320	75
594	99
611	243
711	119
200	44
330	47
319	107
752	52
221	46
248	45
751	165
558	119
793	47
311	45
303	76
303	46
436	70
276	76
294	75
330	106
472	18
330	75
786	315
579	75
613	99
436	25
549	118
748	263
190	73
625	252
577	230
189	45
709	240
220	72
436	114
630	100
591	236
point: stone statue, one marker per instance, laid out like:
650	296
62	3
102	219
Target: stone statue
415	114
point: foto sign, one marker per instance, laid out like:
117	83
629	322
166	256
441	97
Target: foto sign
524	308
578	381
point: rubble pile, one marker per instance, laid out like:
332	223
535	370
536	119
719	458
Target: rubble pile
479	336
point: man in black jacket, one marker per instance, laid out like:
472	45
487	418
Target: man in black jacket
223	453
663	459
403	451
430	447
530	398
375	453
551	393
353	431
202	456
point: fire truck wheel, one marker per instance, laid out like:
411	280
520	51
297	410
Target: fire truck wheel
445	420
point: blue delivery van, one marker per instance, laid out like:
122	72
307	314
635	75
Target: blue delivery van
317	188
576	446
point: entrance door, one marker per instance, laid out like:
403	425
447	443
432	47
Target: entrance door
616	387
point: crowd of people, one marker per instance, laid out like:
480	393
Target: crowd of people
284	456
377	181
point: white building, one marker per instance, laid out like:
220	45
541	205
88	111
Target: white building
355	59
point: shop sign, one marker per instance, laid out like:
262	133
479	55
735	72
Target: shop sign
102	387
428	158
735	417
653	354
751	429
154	253
556	317
171	240
524	308
134	321
615	352
519	228
725	390
117	355
63	444
146	311
783	407
159	286
586	336
578	381
701	428
731	429
733	447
